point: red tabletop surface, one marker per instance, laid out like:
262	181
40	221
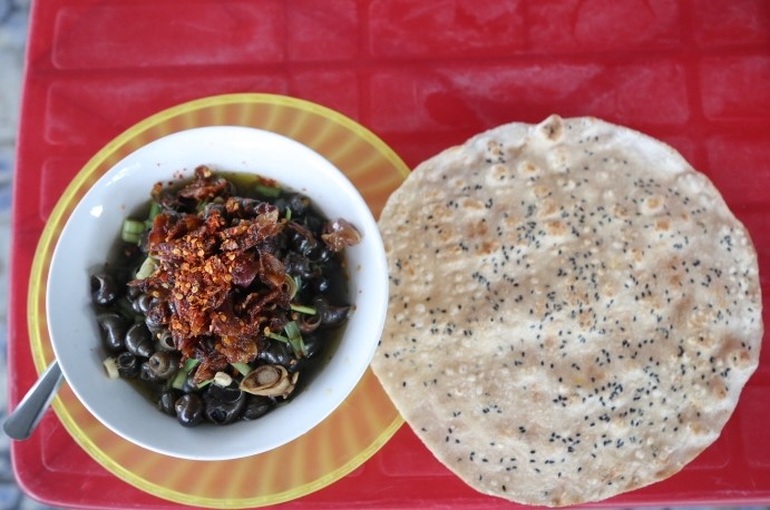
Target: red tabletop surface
422	75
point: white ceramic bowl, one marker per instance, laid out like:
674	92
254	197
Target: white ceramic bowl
94	226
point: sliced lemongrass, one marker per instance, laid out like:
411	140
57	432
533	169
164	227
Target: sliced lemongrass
111	367
147	268
222	379
303	309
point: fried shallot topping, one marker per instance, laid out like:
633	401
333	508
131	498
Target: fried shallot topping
217	283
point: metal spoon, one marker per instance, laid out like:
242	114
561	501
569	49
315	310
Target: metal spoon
23	420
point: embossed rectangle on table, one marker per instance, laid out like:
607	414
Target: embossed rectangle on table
453	28
323	86
103	100
730	157
756	440
596	26
726	24
746	77
447	97
323	31
405	28
56	174
93	36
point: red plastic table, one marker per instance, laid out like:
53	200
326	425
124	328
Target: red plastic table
422	75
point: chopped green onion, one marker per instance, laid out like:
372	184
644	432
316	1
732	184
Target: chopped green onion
147	268
297	283
132	231
154	211
179	380
205	383
268	191
303	309
295	339
287	215
243	368
181	376
276	336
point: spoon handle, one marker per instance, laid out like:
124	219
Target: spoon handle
23	420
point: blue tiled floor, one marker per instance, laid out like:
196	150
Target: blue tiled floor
14	15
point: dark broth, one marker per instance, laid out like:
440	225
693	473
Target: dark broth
125	258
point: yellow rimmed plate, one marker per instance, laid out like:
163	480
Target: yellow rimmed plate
342	442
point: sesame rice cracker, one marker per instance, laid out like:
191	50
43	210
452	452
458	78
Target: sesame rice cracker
574	310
